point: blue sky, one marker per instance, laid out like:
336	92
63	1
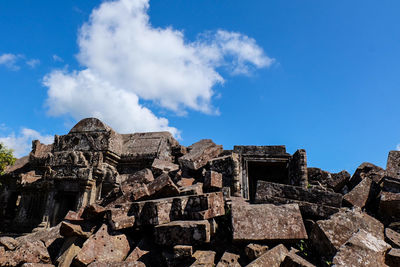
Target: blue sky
318	75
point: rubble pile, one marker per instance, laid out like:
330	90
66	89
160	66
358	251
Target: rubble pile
99	198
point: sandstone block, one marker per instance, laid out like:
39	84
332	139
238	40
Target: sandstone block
229	260
70	248
68	229
199	154
183	233
391	185
339	180
253	251
182	251
8	242
184	182
362	249
389	205
204	258
392	237
361	194
119	218
163	186
393	164
329	235
272	258
117	264
267	222
294	260
103	247
160	166
142	248
369	170
143	176
213	180
196	189
267	190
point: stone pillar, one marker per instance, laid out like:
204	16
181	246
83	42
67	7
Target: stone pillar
298	169
236	176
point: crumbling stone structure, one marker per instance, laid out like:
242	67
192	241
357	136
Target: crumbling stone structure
99	198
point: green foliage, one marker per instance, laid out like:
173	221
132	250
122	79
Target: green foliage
6	158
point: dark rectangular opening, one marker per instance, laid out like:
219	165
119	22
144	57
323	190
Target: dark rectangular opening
64	202
275	172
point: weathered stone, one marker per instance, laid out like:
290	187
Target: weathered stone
37	265
393	257
68	251
199	154
119	218
141	249
369	170
163	186
205	206
163	166
393	164
267	222
318	177
182	251
361	193
392	237
253	251
74	216
103	247
183	233
213	180
204	258
228	166
143	176
117	264
133	191
338	180
196	189
362	249
272	258
294	260
328	235
8	242
229	260
391	185
389	205
184	182
68	229
27	251
267	190
93	211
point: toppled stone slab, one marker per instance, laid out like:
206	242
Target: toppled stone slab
204	258
199	154
267	222
182	251
362	249
392	237
272	258
182	233
117	264
27	251
229	260
8	242
163	186
141	249
144	176
119	219
213	180
267	190
184	182
68	229
318	177
68	251
253	251
391	185
361	194
329	235
393	164
293	259
366	169
103	247
389	205
393	257
162	166
339	180
195	189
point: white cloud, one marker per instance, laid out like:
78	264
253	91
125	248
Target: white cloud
10	61
127	59
57	58
33	62
398	147
22	143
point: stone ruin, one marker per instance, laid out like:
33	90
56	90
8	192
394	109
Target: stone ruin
99	198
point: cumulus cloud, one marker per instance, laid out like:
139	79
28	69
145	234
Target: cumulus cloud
126	60
57	58
9	61
22	142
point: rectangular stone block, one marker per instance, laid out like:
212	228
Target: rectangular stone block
267	190
272	258
213	180
182	233
267	222
199	154
162	186
389	205
393	164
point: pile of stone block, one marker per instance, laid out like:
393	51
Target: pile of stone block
161	204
